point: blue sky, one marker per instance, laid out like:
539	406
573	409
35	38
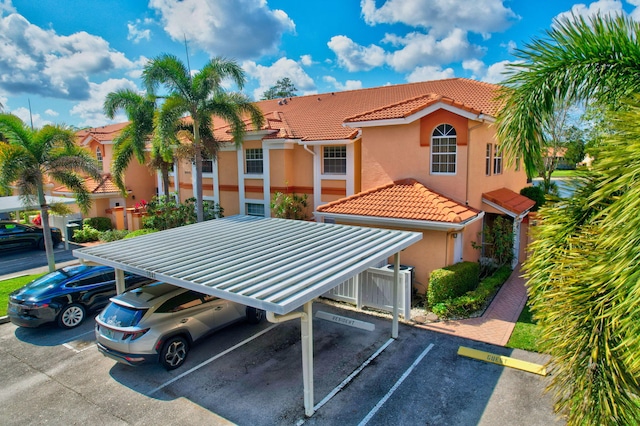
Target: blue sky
64	56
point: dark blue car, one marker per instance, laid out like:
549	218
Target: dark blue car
66	296
19	235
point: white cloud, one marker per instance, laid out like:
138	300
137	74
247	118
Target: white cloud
51	113
91	110
137	34
24	114
511	46
478	16
347	85
306	60
238	28
497	72
601	7
283	67
355	57
429	72
476	66
6	7
419	49
37	61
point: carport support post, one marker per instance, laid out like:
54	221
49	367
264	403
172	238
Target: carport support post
396	283
306	333
120	281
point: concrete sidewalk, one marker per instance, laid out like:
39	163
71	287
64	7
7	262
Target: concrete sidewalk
496	324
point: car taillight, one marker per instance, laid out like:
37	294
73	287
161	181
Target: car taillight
133	335
36	305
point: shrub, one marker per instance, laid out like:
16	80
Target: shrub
536	194
452	281
163	212
289	206
140	232
474	300
99	223
86	234
113	235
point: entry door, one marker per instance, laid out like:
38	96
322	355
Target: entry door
457	248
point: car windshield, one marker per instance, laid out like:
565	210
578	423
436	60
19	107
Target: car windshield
121	316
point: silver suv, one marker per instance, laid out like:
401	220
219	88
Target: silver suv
160	322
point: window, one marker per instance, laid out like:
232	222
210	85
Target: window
497	161
207	165
253	158
443	149
487	165
335	160
182	301
99	156
255	209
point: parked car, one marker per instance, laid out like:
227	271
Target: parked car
160	322
16	235
66	296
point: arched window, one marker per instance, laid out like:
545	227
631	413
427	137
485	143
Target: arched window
443	150
99	156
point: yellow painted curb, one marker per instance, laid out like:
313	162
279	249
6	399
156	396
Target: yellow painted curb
503	360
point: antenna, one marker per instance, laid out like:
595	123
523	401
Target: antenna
30	115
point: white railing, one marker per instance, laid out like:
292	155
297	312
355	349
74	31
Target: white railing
373	288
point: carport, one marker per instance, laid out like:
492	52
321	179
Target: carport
277	265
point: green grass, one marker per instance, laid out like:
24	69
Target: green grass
7	286
525	333
564	173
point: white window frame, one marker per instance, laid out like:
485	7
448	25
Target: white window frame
99	157
488	163
444	135
207	160
329	154
251	157
497	160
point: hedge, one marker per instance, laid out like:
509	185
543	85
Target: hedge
100	223
452	281
474	300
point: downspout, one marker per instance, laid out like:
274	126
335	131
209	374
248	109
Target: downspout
466	196
306	148
317	189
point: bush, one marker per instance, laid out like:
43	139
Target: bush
452	281
473	300
113	235
86	234
163	212
536	194
140	232
99	223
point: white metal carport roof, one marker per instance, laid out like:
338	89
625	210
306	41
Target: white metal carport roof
277	265
273	264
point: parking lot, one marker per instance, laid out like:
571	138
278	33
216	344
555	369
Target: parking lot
248	374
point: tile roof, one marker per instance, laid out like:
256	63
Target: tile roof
322	117
406	199
104	185
509	200
101	134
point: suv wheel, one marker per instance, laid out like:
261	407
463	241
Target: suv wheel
254	315
174	352
71	316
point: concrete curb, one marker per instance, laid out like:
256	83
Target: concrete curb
4	319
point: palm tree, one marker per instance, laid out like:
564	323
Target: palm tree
29	157
202	97
595	60
583	277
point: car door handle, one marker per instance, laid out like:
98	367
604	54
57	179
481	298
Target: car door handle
217	308
184	320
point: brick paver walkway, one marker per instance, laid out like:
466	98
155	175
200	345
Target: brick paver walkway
496	324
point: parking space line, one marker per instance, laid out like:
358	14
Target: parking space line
393	389
68	346
202	364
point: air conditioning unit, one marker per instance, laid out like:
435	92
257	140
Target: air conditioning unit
412	269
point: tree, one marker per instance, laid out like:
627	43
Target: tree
582	273
29	157
284	88
202	97
132	140
575	146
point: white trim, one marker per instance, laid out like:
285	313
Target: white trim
280	143
505	211
241	193
350	169
227	146
330	142
404	223
266	178
418	115
257	135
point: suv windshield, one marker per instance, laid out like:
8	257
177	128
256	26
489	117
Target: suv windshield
121	316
